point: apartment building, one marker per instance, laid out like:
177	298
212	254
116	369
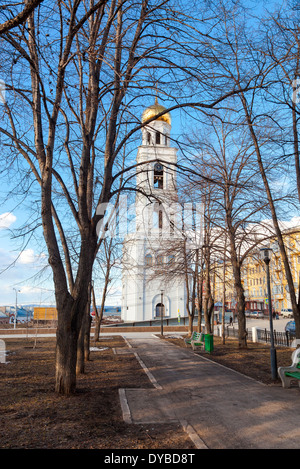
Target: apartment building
255	280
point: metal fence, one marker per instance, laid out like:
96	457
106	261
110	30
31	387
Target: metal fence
283	339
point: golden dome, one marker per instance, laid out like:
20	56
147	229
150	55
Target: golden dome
155	109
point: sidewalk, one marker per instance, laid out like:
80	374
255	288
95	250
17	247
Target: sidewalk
218	407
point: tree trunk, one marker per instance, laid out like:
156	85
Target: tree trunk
200	301
71	311
208	304
69	322
200	295
224	295
83	346
238	286
97	318
100	316
187	304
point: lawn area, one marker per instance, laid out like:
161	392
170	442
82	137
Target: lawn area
33	416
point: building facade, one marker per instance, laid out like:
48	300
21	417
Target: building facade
255	281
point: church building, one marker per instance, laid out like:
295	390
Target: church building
151	283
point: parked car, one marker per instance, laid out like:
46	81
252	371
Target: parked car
259	314
256	314
290	327
287	313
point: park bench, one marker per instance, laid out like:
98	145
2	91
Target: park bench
188	340
291	373
196	340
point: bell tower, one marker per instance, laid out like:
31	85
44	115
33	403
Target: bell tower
144	294
156	173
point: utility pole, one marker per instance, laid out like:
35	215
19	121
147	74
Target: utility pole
161	312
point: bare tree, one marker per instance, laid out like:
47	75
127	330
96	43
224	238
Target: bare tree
76	76
250	112
234	200
108	258
239	44
89	59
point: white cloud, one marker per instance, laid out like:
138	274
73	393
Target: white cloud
27	257
6	220
27	289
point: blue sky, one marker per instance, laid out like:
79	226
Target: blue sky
20	266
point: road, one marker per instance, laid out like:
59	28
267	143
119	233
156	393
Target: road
278	324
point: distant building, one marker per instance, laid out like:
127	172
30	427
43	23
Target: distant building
4	318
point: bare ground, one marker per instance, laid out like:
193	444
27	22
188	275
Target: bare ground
33	416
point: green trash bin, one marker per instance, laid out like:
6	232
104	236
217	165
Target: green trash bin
209	343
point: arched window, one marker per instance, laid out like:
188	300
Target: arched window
159	310
158	176
148	137
157	215
148	259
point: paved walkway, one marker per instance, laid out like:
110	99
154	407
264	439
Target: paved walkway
219	408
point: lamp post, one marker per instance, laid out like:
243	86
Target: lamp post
15	318
161	312
266	257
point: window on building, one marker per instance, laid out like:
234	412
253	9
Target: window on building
160	219
158	176
148	137
157	138
160	259
148	259
171	259
157	215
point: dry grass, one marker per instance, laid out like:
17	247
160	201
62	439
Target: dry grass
32	416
